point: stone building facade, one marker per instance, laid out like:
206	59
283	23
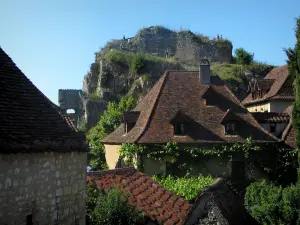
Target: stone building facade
47	188
42	157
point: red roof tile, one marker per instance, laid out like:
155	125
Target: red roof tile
144	193
271	117
182	91
29	120
281	88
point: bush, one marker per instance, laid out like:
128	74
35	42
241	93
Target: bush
137	62
117	57
243	57
108	122
187	187
110	208
263	201
271	204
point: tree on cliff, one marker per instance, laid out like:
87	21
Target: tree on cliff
243	57
108	122
294	71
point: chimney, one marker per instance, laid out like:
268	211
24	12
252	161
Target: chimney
204	71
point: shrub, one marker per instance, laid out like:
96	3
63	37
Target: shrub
137	62
187	187
243	57
117	57
108	122
263	201
111	208
271	204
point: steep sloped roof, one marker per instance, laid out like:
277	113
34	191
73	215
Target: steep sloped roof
281	88
28	119
289	133
271	117
164	207
145	194
181	90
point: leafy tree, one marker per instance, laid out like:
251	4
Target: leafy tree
137	62
110	208
294	72
108	122
271	204
243	57
263	201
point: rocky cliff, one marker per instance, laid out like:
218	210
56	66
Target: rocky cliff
131	66
183	45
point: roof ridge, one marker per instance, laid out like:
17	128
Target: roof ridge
153	107
111	171
286	130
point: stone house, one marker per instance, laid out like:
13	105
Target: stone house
270	102
42	158
216	204
274	93
193	109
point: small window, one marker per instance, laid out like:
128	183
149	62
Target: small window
230	129
272	127
179	129
29	220
128	127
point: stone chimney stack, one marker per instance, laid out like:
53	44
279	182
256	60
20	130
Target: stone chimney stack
204	71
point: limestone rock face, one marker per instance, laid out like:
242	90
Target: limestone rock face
184	45
109	80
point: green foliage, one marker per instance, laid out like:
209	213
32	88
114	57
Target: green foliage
187	187
129	153
243	57
263	201
137	62
117	57
108	122
110	208
294	72
95	95
271	204
236	72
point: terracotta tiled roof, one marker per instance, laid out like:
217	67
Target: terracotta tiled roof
164	207
29	121
178	90
145	194
289	134
281	88
273	117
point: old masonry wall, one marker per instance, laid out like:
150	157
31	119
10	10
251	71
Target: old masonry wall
45	188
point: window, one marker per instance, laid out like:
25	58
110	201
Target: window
29	220
179	129
272	127
128	127
230	129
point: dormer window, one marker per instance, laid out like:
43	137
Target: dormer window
179	129
179	122
229	121
230	129
130	119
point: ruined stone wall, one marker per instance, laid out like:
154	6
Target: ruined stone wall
48	186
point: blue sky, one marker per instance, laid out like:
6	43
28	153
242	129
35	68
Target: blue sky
53	42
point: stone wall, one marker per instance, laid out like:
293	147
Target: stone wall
50	187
